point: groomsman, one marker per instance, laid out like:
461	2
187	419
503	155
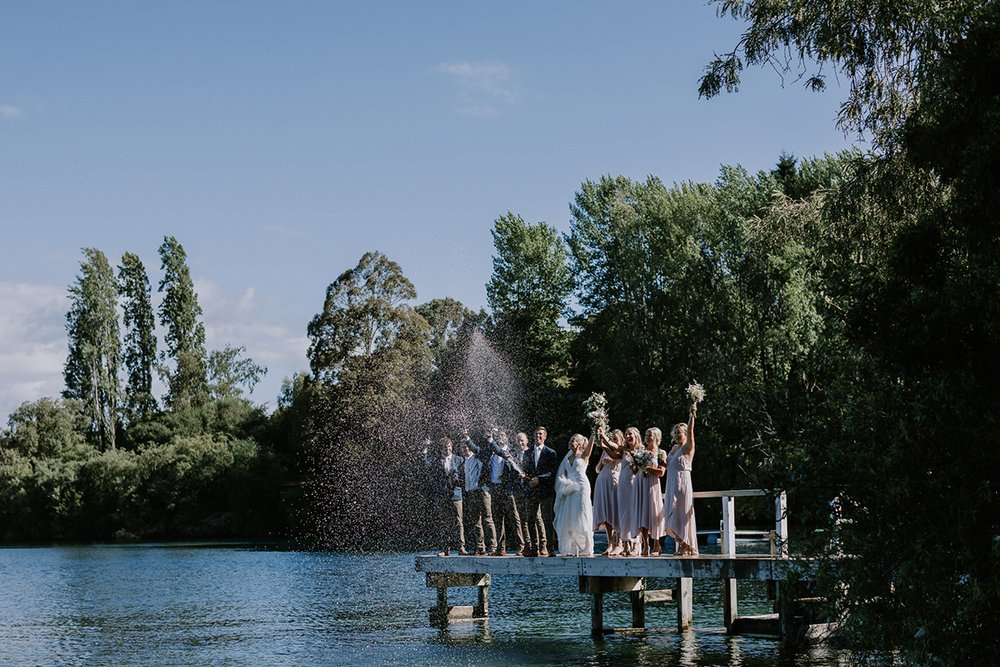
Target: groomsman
540	470
522	450
446	490
505	482
476	493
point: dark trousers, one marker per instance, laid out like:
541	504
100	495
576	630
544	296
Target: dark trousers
479	514
451	530
507	519
540	517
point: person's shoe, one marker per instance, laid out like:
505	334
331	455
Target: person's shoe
480	552
499	552
463	552
530	552
520	552
543	552
444	553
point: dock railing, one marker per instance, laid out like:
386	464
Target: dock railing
727	537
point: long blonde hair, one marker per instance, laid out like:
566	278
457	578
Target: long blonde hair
675	432
636	436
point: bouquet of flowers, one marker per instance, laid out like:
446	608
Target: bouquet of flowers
696	392
642	458
597	411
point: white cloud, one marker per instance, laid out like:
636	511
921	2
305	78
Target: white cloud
484	87
242	319
10	111
32	343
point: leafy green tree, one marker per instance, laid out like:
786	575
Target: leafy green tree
185	334
369	355
881	47
528	294
48	428
139	354
91	369
230	369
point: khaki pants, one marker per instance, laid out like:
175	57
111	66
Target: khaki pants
479	511
507	519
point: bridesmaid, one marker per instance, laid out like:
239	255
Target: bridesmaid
606	488
680	523
628	527
649	496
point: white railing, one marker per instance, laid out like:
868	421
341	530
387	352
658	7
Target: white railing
727	530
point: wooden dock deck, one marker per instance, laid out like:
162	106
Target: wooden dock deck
598	575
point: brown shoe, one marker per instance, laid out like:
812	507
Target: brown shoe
543	552
480	552
444	553
463	552
530	552
520	552
499	552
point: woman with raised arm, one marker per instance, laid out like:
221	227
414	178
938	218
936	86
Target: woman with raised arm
679	499
652	464
574	515
628	526
606	487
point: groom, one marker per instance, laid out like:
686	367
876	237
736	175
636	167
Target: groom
540	471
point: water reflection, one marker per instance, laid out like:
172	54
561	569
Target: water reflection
242	604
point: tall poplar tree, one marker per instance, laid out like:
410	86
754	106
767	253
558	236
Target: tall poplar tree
91	370
527	293
185	336
139	355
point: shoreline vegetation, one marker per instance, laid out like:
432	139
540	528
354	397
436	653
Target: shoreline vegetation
842	308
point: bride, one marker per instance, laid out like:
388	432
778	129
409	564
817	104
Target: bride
573	509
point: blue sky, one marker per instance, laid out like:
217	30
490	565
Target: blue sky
279	141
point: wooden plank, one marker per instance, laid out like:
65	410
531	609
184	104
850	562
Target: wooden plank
732	493
659	596
781	523
454	613
748	566
593	585
453	579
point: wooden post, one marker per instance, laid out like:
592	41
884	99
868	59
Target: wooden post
781	523
597	615
482	609
786	614
685	607
638	600
728	548
442	614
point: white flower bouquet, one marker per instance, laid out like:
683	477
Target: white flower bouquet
596	407
696	392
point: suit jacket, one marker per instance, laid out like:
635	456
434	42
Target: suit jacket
484	454
444	484
544	470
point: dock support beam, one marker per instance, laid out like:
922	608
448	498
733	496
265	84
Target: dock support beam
598	586
728	548
685	605
442	614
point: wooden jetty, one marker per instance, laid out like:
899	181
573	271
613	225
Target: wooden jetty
601	574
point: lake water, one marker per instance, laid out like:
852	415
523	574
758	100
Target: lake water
244	604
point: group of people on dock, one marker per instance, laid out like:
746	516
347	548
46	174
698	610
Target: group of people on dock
502	493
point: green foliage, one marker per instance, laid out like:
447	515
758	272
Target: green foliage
139	354
91	369
229	369
185	334
528	295
880	47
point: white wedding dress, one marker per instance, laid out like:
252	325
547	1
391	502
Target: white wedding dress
574	513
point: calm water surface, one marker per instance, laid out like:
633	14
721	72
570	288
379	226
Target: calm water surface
194	604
